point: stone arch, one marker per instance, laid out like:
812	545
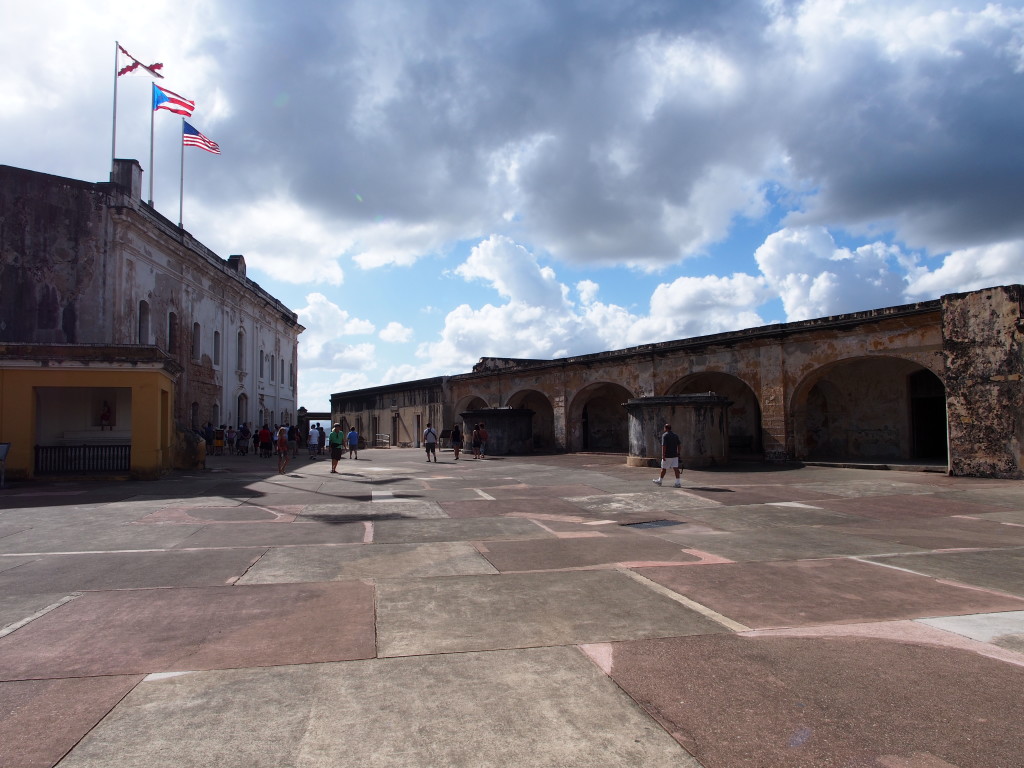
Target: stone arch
543	417
470	403
928	436
744	413
598	420
869	409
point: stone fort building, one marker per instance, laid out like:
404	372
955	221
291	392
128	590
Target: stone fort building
120	333
938	383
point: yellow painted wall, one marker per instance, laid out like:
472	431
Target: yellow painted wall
152	390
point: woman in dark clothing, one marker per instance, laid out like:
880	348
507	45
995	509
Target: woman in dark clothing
456	441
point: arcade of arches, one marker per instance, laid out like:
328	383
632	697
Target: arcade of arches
938	382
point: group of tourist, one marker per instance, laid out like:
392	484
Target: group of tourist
478	441
283	441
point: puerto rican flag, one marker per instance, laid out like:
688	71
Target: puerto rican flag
172	102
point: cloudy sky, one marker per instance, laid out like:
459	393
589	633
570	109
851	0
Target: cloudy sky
427	182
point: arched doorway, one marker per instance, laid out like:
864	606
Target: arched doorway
870	409
468	403
744	413
243	409
543	417
598	420
927	416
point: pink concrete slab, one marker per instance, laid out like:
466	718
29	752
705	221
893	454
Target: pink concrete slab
805	592
40	720
949	533
944	632
754	702
145	631
598	549
908	506
524	491
487	508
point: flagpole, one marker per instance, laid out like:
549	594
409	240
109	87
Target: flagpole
151	113
181	177
113	132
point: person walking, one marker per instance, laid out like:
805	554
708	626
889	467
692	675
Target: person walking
483	441
353	443
669	455
284	453
430	442
313	441
456	441
337	442
474	441
266	441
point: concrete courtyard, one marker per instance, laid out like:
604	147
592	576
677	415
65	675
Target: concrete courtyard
553	611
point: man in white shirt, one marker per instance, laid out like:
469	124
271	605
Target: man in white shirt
313	442
430	442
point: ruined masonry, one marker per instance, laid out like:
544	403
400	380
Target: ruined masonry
935	384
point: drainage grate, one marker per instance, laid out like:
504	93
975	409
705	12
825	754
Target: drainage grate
653	524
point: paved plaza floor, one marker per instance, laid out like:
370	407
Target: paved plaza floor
555	611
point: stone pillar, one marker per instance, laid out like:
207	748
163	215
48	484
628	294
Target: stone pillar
701	421
558	416
777	441
983	340
509	430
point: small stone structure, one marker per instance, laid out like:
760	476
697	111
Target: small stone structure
701	421
509	430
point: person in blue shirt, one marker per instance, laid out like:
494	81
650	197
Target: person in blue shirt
353	443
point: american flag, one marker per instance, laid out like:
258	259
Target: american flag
190	137
172	102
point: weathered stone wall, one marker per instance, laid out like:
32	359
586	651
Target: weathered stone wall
868	386
54	282
983	339
79	261
400	411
